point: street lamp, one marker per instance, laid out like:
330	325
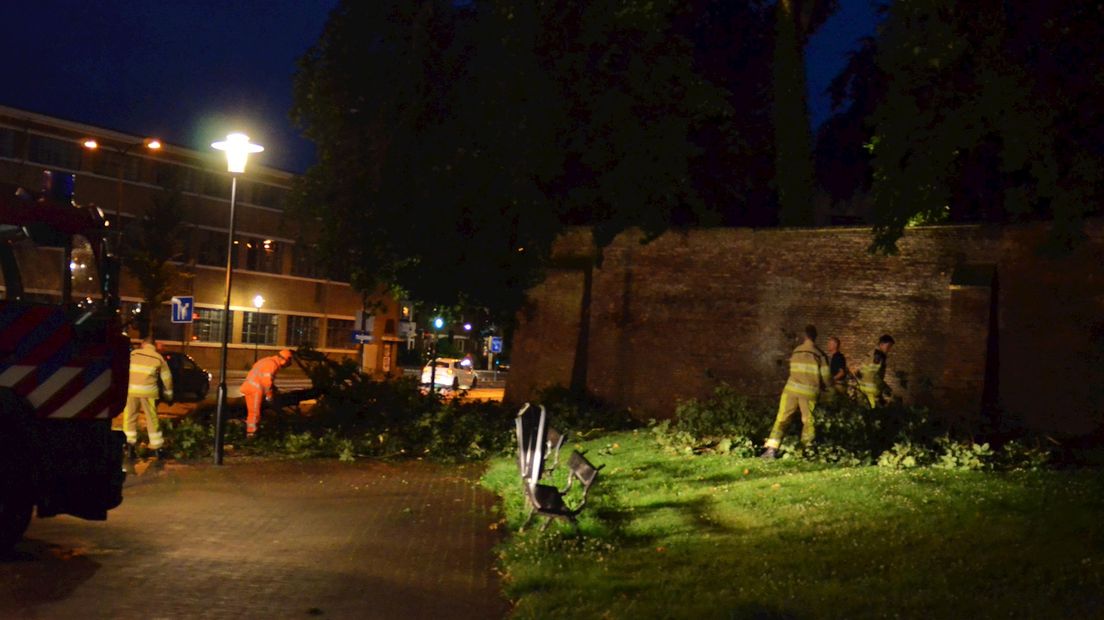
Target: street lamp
258	301
238	148
438	323
150	144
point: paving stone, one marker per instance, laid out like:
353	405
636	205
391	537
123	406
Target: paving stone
268	539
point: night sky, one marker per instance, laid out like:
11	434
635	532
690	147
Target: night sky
190	72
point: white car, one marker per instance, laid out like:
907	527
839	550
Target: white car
451	372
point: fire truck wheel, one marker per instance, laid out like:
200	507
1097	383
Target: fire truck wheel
15	516
16	498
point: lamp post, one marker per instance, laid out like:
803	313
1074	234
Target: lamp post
438	323
150	144
258	301
237	148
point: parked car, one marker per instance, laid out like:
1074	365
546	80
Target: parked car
451	372
190	381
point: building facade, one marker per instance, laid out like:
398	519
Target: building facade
280	297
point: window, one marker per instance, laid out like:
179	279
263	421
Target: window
54	152
262	254
121	221
216	185
7	142
302	330
207	326
209	247
269	196
304	261
339	334
128	314
110	164
84	276
172	176
41	269
259	328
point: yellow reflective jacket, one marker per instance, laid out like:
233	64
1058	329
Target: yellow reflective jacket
146	365
808	371
872	374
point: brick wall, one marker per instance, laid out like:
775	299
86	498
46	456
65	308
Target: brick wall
978	314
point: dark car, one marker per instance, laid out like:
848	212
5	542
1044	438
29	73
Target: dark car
190	381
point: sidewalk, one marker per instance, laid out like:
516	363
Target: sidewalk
269	539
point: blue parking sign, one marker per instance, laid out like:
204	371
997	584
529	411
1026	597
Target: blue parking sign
496	344
182	309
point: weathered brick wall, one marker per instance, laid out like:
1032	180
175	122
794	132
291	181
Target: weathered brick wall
669	319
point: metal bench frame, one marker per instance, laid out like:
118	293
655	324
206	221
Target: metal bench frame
535	443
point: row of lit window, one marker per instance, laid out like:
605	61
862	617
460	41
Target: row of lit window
260	328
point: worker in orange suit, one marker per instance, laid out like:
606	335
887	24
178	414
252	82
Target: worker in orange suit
260	386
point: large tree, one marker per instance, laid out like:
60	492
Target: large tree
151	242
456	140
993	113
796	21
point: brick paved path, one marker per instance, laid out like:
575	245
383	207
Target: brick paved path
268	539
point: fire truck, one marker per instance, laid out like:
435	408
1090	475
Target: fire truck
63	359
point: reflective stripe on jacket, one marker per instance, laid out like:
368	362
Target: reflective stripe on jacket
808	372
262	375
872	375
146	365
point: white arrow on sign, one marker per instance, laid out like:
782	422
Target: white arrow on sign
182	308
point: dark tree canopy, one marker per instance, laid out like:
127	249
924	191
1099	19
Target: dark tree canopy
795	22
150	242
455	142
974	112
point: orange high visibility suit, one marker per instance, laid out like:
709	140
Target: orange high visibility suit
259	386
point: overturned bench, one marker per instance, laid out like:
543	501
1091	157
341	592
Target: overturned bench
537	441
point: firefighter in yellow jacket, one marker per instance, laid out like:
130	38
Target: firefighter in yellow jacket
260	386
146	367
872	374
808	377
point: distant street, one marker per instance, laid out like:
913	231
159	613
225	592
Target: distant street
491	387
268	539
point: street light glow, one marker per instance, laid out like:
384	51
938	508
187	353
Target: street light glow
153	144
91	144
237	148
438	322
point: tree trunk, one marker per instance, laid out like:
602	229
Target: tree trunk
793	150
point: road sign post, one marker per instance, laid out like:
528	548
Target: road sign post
182	309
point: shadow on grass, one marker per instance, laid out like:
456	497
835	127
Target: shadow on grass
753	611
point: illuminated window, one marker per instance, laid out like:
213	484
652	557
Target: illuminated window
259	328
264	255
302	330
207	326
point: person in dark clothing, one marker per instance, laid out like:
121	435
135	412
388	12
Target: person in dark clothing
837	367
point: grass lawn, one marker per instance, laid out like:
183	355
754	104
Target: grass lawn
721	537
